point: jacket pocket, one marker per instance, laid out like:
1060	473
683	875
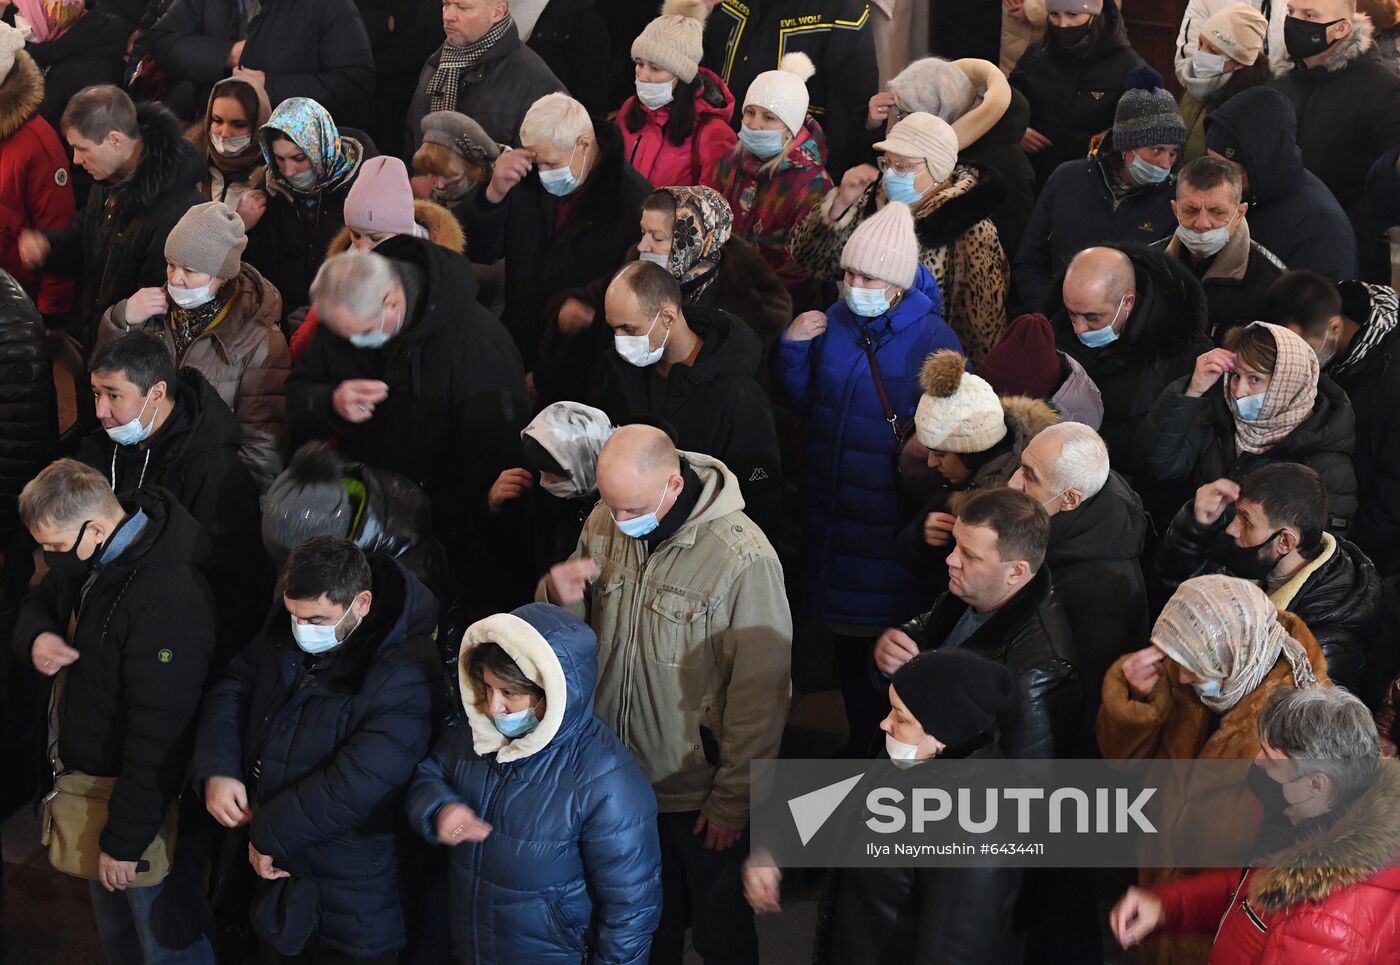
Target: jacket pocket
676	626
570	931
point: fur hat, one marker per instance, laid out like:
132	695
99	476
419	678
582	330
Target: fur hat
1146	113
935	86
959	412
883	246
955	694
784	91
675	41
1237	32
926	136
210	239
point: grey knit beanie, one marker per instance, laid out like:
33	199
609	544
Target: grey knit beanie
1147	113
209	239
935	86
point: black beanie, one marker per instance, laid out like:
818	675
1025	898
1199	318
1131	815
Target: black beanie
956	694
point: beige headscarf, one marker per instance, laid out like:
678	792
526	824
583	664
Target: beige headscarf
1288	400
1224	628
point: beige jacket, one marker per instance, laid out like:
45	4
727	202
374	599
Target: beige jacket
695	636
246	360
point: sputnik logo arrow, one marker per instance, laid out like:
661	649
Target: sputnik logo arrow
811	810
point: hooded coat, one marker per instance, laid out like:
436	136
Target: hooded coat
695	161
145	630
88	53
117	244
850	504
1291	212
1235	278
326	745
958	245
244	357
572	867
28	402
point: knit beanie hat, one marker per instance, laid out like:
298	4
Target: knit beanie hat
1147	113
11	42
935	86
461	135
209	239
307	499
1094	7
381	199
959	412
1024	361
883	246
784	91
926	136
1237	32
955	694
675	41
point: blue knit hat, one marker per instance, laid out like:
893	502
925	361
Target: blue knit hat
1147	113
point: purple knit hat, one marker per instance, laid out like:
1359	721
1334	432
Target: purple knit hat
381	199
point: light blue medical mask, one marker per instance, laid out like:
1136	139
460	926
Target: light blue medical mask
900	187
130	433
1207	64
1100	337
562	182
763	144
1250	406
517	724
639	526
656	258
302	180
318	638
372	339
867	302
1144	173
1209	688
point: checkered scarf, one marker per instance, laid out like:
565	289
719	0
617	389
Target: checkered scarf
453	60
1289	398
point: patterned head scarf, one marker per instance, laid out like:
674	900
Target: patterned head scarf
1289	398
50	19
1224	628
573	434
703	223
309	126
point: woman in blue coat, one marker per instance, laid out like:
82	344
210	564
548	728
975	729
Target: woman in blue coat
851	510
552	824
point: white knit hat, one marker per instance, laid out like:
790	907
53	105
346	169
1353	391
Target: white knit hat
883	246
923	135
959	412
675	41
784	91
11	42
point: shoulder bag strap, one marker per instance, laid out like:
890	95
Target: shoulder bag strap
867	343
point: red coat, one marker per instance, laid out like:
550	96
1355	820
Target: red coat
694	162
1340	912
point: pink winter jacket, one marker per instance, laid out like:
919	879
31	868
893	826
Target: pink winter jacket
665	164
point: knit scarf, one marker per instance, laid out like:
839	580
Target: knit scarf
187	324
1288	400
1385	315
454	59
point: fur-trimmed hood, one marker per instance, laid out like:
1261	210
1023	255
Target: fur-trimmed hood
442	226
1348	51
168	161
20	94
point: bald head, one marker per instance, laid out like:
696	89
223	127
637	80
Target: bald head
1100	290
637	469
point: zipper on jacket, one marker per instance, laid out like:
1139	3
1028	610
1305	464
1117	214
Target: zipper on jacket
484	815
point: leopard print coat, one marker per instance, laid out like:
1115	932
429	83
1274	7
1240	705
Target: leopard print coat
957	244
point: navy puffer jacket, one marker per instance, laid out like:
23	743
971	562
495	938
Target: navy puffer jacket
571	870
851	509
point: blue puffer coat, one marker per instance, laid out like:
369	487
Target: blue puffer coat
344	734
850	506
571	870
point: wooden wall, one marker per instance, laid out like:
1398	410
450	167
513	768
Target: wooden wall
1152	27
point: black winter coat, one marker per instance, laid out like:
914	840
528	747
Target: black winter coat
88	53
117	244
1235	280
28	403
145	630
600	225
1291	212
399	55
999	151
194	456
1031	637
1341	600
715	406
456	400
326	745
1192	442
572	39
1073	95
496	93
308	48
1160	342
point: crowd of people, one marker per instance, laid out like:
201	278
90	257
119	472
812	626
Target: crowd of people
473	409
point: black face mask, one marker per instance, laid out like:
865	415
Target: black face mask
1248	562
1071	38
68	563
1303	38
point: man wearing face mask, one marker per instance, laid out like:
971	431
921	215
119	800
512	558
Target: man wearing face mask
693	367
1271	529
309	740
125	622
1212	240
1348	105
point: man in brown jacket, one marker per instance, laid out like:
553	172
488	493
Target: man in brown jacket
694	650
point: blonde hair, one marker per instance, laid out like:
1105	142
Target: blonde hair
66	492
556	119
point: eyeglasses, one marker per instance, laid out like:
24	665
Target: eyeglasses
902	168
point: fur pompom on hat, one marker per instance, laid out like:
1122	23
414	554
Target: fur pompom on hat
675	41
959	412
784	91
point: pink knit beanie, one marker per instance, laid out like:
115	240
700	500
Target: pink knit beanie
381	199
883	246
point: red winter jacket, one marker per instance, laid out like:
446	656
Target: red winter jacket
1337	912
694	162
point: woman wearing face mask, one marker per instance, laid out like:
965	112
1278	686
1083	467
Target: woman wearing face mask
456	154
675	129
1073	79
850	577
1228	57
1257	400
216	314
535	796
310	167
225	137
776	174
1219	652
958	243
1120	194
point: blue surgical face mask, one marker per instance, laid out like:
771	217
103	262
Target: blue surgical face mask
1100	337
375	338
562	182
1209	688
639	526
1144	173
867	302
517	724
1207	64
656	258
900	187
764	144
130	433
318	638
1250	406
303	180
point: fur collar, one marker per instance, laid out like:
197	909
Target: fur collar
443	229
1348	51
972	195
168	161
1284	595
20	94
1174	311
1231	262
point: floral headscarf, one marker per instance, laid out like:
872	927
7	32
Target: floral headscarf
50	19
1224	628
573	434
1288	400
703	223
309	126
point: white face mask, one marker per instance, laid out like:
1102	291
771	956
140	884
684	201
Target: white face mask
1204	244
637	349
656	258
193	297
303	180
1209	688
230	146
564	489
900	751
655	95
1207	64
